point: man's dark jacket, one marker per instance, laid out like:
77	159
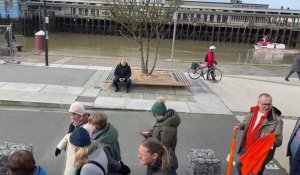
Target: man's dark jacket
122	71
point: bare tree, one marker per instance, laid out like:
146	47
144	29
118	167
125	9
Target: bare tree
144	21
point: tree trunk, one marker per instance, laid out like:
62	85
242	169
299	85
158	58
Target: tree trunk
155	58
142	57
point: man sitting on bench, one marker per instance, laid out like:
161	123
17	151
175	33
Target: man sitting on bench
122	74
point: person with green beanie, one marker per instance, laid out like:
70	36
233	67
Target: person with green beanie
165	129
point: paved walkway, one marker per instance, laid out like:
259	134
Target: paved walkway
96	94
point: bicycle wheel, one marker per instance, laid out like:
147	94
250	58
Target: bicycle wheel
215	76
194	73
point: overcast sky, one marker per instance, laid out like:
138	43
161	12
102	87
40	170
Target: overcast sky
292	4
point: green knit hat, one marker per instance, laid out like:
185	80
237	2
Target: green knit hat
159	108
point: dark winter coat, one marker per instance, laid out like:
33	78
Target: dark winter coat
166	132
291	139
122	71
273	124
108	139
166	129
296	64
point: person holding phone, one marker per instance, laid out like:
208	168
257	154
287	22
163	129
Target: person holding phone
122	74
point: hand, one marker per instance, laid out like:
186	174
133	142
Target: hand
57	152
146	134
236	128
264	135
124	169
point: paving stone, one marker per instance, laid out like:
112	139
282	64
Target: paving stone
178	106
110	103
139	89
160	90
182	91
148	96
37	97
63	89
104	93
100	68
23	87
138	104
137	95
210	103
75	66
90	92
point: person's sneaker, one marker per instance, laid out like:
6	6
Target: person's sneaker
127	90
287	79
117	90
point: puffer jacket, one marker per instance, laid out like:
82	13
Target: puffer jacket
165	131
273	124
108	139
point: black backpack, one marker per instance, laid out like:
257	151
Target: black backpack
92	162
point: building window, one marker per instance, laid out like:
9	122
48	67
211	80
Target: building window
212	17
185	16
86	12
98	12
80	11
92	12
73	11
225	18
205	17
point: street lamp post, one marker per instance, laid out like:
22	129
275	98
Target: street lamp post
46	21
174	34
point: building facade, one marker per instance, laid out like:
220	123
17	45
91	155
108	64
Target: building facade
224	22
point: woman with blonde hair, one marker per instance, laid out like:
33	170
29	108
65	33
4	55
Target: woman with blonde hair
89	158
156	156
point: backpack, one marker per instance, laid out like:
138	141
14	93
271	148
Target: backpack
92	162
206	58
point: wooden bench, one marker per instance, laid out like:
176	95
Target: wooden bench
158	78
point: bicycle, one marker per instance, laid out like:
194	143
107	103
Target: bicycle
197	70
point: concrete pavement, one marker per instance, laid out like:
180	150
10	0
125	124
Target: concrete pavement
85	84
38	87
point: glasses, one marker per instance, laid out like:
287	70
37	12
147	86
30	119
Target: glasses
266	104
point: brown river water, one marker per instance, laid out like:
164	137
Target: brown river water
184	50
